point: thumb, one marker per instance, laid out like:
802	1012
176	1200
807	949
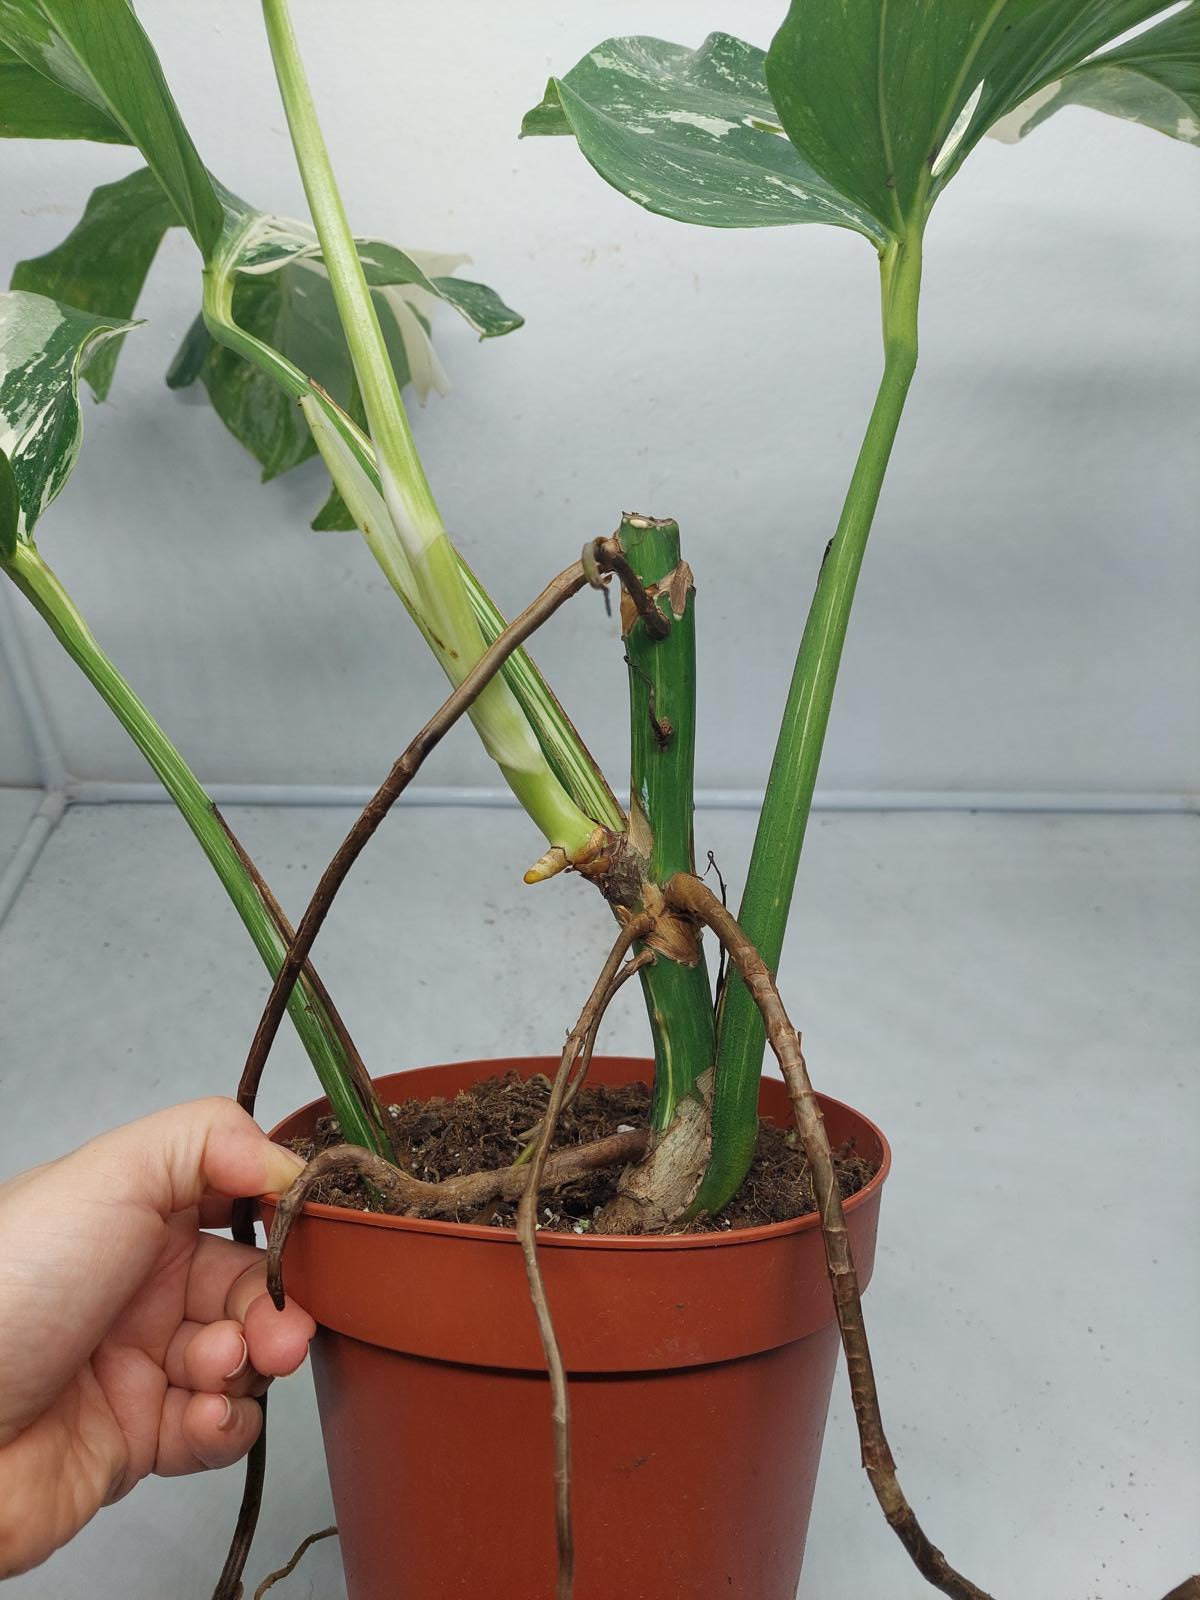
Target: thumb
168	1161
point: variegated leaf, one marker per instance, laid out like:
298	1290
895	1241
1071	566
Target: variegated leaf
44	347
415	278
691	134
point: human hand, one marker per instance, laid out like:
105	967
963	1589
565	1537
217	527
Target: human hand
130	1341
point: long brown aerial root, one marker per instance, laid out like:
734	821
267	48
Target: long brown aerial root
453	1198
534	1176
688	894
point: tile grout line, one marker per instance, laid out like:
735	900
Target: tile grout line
52	768
21	863
93	792
54	780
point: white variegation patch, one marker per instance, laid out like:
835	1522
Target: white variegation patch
1012	128
44	347
1150	76
717	126
958	131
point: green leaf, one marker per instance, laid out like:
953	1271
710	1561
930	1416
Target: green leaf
98	51
10	508
886	98
32	107
423	278
1153	80
691	134
188	364
334	516
102	263
44	347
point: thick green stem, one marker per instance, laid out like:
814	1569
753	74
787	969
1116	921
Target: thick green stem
40	585
662	718
772	874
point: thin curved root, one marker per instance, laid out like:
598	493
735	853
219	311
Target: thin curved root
286	1571
580	1041
532	1136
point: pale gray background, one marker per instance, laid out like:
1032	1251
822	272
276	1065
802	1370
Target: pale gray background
1009	995
1026	618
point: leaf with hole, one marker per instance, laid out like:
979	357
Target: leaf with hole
97	51
1153	80
102	263
887	99
44	348
692	135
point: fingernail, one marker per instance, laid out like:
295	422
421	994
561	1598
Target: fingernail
226	1421
242	1364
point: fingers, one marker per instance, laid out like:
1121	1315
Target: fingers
216	1266
228	1282
198	1431
277	1340
212	1359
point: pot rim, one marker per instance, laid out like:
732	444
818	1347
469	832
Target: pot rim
483	1234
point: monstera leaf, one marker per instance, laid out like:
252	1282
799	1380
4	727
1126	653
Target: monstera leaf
859	114
1154	80
44	349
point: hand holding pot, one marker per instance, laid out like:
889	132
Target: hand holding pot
131	1341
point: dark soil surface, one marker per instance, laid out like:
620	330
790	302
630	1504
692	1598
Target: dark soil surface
487	1126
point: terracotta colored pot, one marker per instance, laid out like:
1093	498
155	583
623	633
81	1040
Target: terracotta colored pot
700	1370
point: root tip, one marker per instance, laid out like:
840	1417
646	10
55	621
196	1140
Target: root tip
548	866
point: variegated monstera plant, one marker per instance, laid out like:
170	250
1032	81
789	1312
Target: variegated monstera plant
859	115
